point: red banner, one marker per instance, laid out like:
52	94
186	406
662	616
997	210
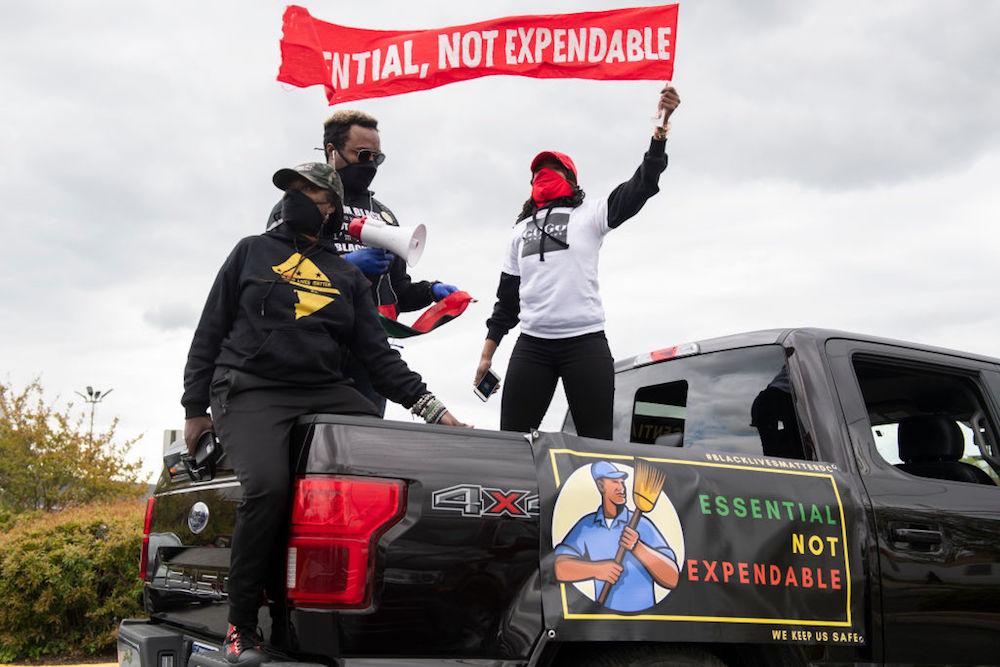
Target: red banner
355	63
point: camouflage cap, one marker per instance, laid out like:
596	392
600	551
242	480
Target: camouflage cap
318	173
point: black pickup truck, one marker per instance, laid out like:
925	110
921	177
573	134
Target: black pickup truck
808	497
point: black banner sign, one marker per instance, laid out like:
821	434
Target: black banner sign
696	546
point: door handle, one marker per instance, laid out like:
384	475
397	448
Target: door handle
920	536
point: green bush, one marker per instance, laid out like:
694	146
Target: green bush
67	578
49	460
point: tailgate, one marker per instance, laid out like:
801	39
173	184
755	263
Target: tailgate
190	530
456	576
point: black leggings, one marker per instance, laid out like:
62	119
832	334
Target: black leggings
586	367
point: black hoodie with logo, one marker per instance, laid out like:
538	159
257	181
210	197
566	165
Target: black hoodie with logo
395	287
286	310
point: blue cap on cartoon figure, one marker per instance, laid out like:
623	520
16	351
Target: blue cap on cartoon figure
605	469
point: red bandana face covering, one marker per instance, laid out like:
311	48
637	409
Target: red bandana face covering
548	185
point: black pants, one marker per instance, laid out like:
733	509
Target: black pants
586	367
253	418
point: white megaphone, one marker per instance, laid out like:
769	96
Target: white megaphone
406	242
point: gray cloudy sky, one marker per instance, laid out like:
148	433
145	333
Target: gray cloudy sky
832	164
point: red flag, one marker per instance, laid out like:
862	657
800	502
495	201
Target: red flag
355	63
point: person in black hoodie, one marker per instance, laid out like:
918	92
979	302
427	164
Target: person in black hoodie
352	145
284	310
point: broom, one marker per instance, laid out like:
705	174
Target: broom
645	492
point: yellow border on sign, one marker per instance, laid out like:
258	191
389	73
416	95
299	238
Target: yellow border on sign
712	619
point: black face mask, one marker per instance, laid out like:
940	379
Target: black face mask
357	176
302	215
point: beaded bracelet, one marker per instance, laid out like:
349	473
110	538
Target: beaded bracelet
429	408
420	406
435	413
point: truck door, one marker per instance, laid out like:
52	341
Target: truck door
924	427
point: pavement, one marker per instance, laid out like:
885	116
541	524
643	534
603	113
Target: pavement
53	664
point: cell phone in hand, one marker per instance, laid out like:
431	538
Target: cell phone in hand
487	385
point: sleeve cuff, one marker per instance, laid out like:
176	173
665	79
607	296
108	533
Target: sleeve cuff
192	411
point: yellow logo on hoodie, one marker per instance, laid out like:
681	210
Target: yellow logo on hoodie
311	284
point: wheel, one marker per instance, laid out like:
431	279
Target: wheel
645	655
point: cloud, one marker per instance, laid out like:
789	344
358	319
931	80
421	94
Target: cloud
830	165
837	99
170	316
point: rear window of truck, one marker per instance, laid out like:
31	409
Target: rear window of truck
735	401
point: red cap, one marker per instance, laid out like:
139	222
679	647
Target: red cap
561	158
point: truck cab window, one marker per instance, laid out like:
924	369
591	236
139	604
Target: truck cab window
736	401
927	422
658	414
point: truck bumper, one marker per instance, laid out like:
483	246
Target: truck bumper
145	644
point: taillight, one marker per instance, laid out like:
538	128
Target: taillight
144	556
336	523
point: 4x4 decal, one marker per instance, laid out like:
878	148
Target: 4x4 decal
473	500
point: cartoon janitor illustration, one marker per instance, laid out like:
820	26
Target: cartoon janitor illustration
619	546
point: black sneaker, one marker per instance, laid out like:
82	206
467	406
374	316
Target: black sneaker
242	646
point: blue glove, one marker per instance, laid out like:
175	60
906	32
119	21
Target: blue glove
371	261
440	290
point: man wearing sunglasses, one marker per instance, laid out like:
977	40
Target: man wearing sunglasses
352	146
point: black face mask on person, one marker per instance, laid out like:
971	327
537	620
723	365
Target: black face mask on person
357	176
302	215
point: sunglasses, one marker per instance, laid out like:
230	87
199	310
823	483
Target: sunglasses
365	155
